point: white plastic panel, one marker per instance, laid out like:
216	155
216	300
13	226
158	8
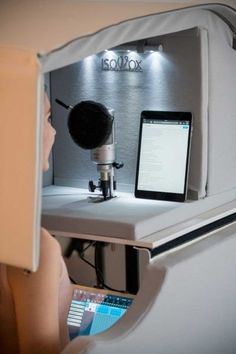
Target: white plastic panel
20	180
186	304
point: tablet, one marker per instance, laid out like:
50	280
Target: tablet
93	311
163	155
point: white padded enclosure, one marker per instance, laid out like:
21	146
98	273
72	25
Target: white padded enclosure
186	304
64	33
213	154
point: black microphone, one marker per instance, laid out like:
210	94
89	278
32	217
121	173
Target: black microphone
89	123
91	127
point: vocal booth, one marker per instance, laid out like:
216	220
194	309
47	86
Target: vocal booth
185	301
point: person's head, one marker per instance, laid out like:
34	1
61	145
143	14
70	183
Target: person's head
48	133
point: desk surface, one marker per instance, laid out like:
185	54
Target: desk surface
146	223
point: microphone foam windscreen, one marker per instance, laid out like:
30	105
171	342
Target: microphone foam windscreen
89	124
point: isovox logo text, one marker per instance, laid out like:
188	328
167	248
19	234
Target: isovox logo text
121	63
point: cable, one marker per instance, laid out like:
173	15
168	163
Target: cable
91	243
98	272
72	280
81	255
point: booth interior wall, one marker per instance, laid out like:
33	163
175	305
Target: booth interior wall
222	108
169	80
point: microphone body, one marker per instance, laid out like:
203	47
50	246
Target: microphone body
91	126
105	154
104	157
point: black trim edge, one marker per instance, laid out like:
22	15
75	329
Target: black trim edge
193	235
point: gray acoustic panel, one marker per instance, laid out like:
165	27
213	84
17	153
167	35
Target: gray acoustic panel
170	80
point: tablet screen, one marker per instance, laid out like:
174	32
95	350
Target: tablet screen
93	311
163	155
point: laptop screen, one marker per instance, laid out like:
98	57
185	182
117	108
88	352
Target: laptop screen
93	311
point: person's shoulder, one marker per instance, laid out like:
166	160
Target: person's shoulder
48	242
